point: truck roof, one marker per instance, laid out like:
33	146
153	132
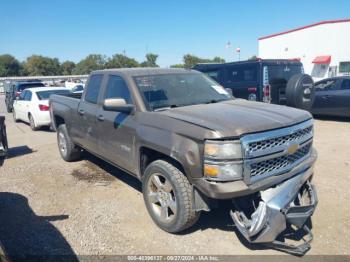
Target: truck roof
264	61
146	71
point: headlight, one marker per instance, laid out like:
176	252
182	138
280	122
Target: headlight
223	160
223	150
223	171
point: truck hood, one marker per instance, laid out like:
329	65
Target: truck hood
237	117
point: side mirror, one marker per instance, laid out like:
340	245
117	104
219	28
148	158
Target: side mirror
118	105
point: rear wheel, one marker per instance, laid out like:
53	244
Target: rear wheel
68	150
32	123
168	197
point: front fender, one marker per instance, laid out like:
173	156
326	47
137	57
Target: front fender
184	150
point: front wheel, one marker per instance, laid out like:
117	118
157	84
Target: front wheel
168	197
68	150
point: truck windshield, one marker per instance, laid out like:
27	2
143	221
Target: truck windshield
175	90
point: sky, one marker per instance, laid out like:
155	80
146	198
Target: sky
72	29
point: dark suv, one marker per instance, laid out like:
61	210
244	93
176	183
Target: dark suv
14	89
265	80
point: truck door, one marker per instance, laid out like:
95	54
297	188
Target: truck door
324	98
116	129
84	129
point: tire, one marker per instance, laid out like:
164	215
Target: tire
300	92
68	150
32	124
15	119
166	188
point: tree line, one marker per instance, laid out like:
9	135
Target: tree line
37	65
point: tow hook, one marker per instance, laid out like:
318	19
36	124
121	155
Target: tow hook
272	216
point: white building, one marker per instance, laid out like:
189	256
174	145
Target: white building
323	48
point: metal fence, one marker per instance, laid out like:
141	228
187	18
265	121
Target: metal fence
24	78
41	78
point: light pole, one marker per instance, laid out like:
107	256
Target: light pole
238	50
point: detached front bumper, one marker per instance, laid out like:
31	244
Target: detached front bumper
262	217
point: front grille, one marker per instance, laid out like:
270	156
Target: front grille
276	164
266	153
279	141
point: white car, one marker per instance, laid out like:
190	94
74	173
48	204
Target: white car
78	89
32	106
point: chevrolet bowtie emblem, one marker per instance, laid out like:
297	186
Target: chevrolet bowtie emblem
292	149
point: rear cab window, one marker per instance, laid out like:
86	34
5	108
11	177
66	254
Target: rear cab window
93	88
283	72
278	77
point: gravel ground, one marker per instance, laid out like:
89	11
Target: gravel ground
48	206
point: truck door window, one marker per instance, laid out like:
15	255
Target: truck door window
346	84
117	88
93	88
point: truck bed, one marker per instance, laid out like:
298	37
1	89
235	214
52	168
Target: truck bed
64	105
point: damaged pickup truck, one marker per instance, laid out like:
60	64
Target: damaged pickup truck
192	144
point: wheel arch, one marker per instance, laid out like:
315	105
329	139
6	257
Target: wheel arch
147	155
57	121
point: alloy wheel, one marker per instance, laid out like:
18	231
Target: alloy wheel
161	197
62	143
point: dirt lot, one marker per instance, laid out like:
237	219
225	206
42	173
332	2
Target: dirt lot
48	206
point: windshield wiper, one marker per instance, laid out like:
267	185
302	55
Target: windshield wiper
165	107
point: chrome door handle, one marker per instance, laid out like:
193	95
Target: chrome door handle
81	112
